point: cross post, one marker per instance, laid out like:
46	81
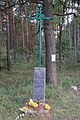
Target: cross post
40	17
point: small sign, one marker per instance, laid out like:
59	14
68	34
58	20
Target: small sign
39	83
53	57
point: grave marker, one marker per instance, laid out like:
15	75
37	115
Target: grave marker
39	83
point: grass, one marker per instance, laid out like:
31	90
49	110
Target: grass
16	87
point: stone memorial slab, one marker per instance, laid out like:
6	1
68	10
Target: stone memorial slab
39	83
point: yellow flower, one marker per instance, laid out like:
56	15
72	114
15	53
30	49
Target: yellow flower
30	103
47	107
34	104
24	109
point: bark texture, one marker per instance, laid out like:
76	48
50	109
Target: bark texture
50	44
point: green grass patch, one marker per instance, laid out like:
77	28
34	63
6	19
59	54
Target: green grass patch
16	87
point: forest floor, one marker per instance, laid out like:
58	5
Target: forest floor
16	87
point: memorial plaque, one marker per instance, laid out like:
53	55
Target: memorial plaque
39	83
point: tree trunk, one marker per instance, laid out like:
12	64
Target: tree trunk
60	46
26	23
7	43
7	37
60	37
22	23
75	45
78	35
27	31
0	39
10	28
50	45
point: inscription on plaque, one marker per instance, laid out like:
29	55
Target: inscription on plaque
39	83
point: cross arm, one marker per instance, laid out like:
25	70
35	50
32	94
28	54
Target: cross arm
46	18
32	18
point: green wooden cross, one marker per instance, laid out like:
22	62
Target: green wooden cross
40	17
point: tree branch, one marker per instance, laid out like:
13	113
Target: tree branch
3	8
56	14
12	5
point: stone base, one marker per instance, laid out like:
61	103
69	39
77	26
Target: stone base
39	113
41	116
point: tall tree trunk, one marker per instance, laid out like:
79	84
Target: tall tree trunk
7	43
10	25
22	20
75	45
70	37
22	34
78	35
27	31
60	45
0	39
78	41
14	36
8	38
26	23
60	36
50	45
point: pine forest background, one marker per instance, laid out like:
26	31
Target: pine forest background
19	50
